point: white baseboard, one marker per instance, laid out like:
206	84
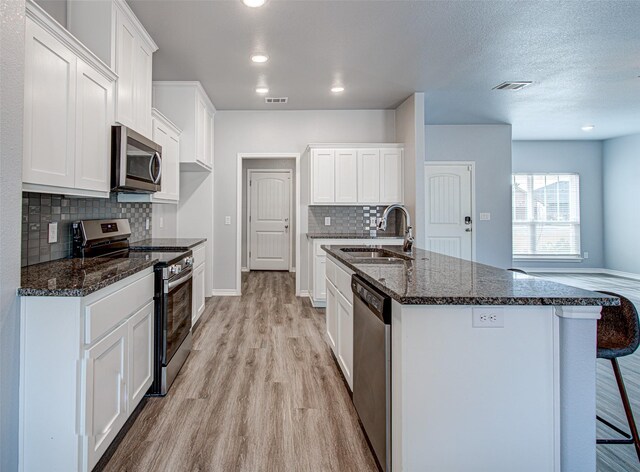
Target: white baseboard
303	293
585	270
246	269
225	293
292	269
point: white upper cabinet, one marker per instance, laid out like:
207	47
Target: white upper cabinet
189	107
368	175
391	176
323	176
346	175
355	174
167	135
68	111
112	31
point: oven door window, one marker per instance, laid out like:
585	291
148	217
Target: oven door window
142	162
178	316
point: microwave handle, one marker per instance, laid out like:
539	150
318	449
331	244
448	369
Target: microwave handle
155	178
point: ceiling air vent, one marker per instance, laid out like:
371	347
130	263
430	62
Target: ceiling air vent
512	85
276	99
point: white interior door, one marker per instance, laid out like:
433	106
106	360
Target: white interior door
449	224
269	220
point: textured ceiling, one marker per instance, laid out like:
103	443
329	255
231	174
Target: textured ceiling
583	56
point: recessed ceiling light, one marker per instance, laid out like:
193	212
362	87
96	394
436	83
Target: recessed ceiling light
259	58
254	3
588	128
262	90
337	89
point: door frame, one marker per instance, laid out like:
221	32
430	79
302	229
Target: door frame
472	165
239	213
263	171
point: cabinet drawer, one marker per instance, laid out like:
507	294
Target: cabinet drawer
108	312
199	255
343	283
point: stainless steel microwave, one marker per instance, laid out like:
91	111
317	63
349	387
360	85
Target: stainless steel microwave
136	162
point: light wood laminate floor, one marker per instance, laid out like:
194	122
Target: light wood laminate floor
612	458
259	392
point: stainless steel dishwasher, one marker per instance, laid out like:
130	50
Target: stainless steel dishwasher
372	366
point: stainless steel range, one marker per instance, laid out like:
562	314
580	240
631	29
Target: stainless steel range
173	292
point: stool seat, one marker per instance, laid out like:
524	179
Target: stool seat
618	329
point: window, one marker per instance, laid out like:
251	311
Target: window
546	216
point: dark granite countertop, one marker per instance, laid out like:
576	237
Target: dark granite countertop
166	244
77	277
435	279
348	236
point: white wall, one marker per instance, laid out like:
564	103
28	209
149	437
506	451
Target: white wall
195	215
165	220
278	131
585	159
56	8
267	164
621	165
489	146
409	130
12	25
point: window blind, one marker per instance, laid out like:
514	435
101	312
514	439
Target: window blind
546	215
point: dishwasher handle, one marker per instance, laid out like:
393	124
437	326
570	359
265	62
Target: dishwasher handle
376	301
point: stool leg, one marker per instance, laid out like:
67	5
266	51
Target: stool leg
627	406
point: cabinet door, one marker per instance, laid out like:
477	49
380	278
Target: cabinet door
346	175
49	110
201	130
323	176
368	176
106	374
142	89
344	311
141	350
94	115
198	293
171	167
126	43
208	137
319	278
391	189
332	317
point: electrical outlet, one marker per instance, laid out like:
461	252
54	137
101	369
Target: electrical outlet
227	220
161	222
146	224
373	222
327	221
485	216
53	233
488	317
586	255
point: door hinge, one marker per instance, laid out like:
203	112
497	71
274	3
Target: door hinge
250	183
249	218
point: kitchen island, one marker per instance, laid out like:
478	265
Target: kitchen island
491	370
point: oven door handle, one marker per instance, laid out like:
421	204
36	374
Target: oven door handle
175	283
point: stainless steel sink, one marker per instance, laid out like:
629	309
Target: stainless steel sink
375	254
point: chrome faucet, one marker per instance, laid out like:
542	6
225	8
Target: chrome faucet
408	235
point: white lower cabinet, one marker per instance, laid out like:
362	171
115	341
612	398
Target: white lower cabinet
332	316
199	256
344	311
106	369
339	316
85	364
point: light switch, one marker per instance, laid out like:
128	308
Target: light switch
227	220
485	216
53	233
327	221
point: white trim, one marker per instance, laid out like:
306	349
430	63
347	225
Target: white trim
471	164
187	83
126	9
291	199
579	312
582	270
303	293
268	155
225	293
354	146
246	269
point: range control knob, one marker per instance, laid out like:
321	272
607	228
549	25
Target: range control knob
175	269
188	261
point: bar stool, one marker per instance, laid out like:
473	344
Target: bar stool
618	336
